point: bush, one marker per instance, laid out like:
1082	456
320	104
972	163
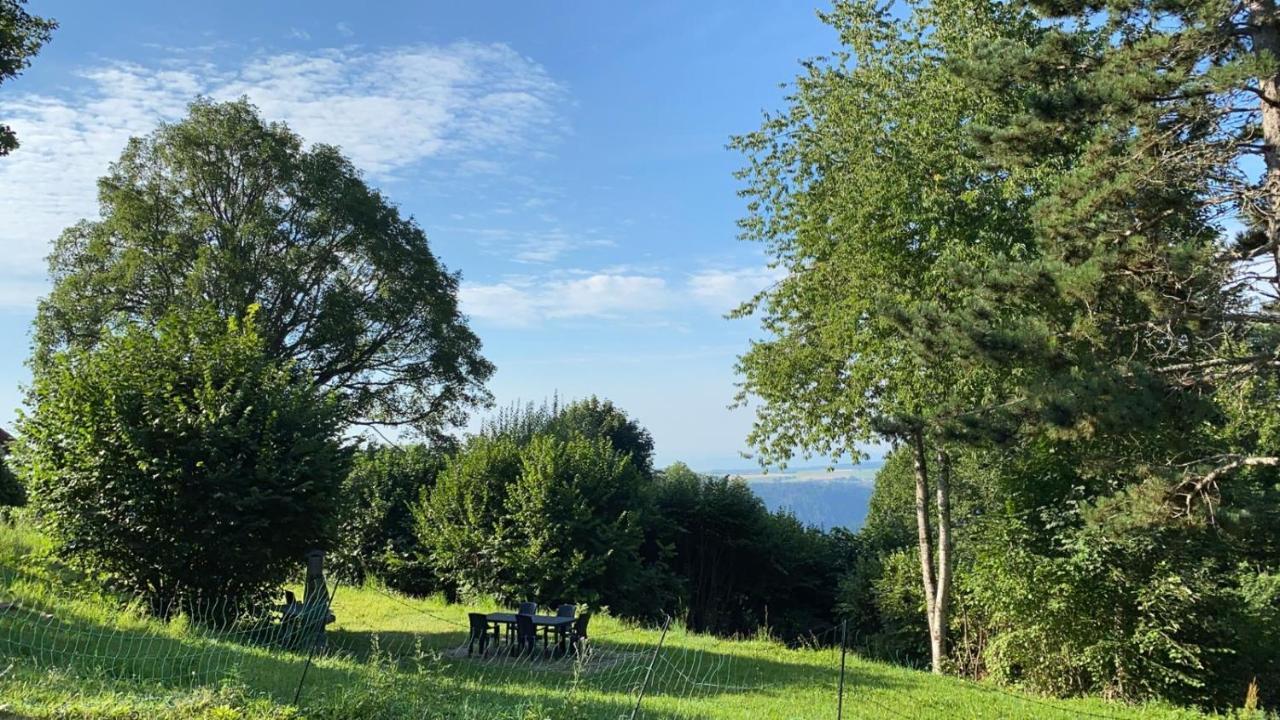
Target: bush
460	522
376	535
591	418
594	418
572	525
555	520
1130	610
182	461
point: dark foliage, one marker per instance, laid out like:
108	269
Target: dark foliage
737	567
376	535
12	493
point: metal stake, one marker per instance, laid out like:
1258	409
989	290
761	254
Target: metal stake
844	644
311	651
649	673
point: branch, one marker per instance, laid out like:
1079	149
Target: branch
1205	487
1259	359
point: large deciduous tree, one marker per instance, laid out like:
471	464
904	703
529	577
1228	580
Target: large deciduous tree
863	192
226	210
21	37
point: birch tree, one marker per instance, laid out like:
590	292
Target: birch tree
864	193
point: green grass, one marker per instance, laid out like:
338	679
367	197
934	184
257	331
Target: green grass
395	657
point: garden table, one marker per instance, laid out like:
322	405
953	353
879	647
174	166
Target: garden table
561	625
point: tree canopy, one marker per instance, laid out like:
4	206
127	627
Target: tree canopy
226	210
1039	238
864	191
21	37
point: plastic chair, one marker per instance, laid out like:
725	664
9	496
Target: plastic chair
563	632
479	632
526	633
578	641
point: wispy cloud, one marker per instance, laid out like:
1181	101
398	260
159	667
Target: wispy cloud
466	106
524	302
724	290
529	240
344	29
620	293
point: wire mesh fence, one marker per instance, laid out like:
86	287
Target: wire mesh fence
661	671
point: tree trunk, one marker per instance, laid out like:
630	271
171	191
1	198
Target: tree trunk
1264	24
942	605
937	621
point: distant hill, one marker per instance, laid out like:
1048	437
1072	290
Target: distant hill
815	495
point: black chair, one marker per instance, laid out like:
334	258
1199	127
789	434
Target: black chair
578	635
526	608
565	631
479	632
526	633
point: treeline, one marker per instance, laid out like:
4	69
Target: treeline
561	503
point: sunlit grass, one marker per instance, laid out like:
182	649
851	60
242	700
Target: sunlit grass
390	656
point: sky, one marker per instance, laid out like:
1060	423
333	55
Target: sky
568	158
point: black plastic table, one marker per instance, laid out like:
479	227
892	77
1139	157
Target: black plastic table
547	622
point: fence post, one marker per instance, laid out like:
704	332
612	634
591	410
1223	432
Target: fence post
322	614
649	672
844	644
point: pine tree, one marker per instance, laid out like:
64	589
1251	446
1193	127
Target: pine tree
1161	121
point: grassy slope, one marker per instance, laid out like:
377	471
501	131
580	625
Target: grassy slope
71	664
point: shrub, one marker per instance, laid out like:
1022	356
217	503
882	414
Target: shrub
591	418
1131	610
376	535
460	524
572	525
594	418
182	461
553	521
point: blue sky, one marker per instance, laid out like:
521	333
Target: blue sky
568	158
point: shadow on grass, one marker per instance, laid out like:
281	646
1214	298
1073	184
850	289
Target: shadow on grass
611	667
401	673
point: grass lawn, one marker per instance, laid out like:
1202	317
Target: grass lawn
72	656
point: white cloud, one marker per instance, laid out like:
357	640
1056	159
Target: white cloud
344	29
724	290
608	295
524	302
501	303
630	294
528	245
470	105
